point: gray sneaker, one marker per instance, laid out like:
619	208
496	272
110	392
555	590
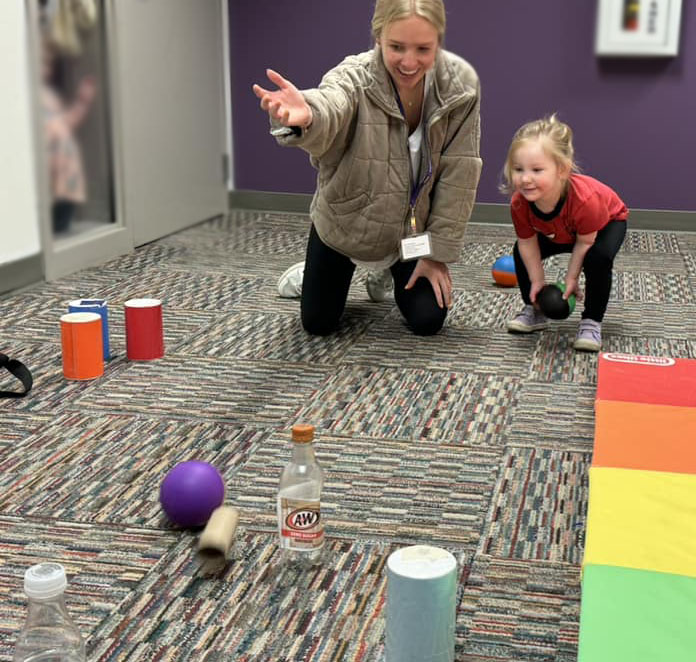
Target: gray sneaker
528	319
589	336
380	285
290	283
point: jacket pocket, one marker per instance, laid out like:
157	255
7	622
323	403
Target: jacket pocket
349	205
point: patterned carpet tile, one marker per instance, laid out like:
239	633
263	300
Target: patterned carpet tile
519	611
556	416
690	265
189	290
18	425
108	468
195	259
487	308
686	242
401	489
484	254
256	335
539	508
240	219
455	348
657	263
554	359
143	257
42	322
386	403
265	392
51	392
633	318
652	287
33	314
254	239
662	243
256	610
104	568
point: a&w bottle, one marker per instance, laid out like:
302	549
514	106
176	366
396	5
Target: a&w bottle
300	526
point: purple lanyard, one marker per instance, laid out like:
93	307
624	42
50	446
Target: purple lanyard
419	186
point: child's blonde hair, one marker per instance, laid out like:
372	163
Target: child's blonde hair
557	140
388	11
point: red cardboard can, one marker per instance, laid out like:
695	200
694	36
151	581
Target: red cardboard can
144	331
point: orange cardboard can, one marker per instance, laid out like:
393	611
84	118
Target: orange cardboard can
81	338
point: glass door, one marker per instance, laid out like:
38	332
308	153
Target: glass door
77	174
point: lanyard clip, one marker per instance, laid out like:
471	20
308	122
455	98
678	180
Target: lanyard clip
413	219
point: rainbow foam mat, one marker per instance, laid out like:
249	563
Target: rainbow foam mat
639	568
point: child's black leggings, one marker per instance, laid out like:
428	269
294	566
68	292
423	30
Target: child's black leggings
326	282
597	265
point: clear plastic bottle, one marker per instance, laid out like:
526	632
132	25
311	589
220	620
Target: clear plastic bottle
300	527
49	634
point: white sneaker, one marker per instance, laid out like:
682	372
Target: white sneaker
528	319
290	283
589	336
380	285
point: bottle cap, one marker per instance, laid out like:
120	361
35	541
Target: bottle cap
45	580
302	433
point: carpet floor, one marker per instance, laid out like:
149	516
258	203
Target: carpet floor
474	440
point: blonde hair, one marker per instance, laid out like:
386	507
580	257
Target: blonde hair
388	11
557	142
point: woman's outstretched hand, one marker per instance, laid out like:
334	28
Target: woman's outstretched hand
286	104
439	276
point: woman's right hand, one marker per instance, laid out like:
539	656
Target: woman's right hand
286	104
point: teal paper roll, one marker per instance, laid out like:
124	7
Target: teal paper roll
421	605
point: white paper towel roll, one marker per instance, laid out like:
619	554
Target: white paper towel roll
421	605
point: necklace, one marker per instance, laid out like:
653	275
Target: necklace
418	93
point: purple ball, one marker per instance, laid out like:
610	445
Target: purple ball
190	492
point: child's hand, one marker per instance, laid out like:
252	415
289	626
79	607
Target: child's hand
572	287
534	290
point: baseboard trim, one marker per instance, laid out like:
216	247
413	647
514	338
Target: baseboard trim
20	273
484	212
293	203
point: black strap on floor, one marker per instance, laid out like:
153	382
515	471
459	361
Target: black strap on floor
21	372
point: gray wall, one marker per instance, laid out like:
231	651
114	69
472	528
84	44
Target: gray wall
634	119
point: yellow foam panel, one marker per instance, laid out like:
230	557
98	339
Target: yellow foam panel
642	519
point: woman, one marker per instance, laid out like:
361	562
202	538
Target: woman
394	134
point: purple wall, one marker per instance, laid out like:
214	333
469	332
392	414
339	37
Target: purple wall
634	119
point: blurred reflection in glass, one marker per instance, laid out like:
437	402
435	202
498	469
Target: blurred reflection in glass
74	111
61	119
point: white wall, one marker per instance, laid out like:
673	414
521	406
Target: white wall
19	215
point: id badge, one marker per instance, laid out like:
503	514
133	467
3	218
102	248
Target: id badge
416	246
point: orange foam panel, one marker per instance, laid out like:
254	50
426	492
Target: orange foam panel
630	435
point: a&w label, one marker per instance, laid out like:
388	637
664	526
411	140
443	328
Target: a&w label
300	524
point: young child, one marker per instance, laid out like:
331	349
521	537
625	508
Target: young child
556	210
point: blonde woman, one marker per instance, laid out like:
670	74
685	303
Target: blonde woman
394	135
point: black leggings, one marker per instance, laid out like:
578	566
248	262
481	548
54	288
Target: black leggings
326	282
597	265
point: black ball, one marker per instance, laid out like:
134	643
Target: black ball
552	304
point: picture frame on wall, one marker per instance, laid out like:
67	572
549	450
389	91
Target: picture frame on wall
636	28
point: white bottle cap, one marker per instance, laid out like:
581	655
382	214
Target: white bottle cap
45	580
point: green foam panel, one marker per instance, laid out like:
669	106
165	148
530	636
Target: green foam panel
636	616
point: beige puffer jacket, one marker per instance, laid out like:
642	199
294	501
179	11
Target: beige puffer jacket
358	141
